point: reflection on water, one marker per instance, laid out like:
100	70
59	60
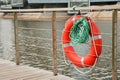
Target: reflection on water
6	39
35	48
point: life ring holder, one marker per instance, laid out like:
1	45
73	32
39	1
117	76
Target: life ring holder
96	44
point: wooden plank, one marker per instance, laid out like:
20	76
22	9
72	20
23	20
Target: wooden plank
65	9
10	71
38	77
16	69
36	17
8	68
21	74
102	15
13	70
30	77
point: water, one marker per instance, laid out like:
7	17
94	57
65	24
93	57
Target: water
6	39
35	48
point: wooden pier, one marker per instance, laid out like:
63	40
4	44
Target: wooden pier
11	71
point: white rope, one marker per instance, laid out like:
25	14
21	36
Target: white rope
81	72
65	60
27	45
35	37
67	63
33	28
41	55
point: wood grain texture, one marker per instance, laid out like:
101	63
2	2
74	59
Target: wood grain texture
10	71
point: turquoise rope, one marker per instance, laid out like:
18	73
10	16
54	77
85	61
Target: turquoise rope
80	31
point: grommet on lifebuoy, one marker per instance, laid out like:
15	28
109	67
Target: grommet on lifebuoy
96	44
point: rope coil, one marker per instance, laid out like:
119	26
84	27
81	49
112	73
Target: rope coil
80	31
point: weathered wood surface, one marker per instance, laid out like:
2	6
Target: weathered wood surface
10	71
35	16
97	15
102	15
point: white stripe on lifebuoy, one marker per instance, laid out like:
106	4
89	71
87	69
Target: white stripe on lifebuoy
66	45
96	37
82	62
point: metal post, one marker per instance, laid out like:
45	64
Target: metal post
114	45
54	42
16	38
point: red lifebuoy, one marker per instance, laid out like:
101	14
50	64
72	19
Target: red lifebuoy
96	44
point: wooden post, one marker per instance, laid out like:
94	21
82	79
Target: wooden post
114	45
16	38
54	42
